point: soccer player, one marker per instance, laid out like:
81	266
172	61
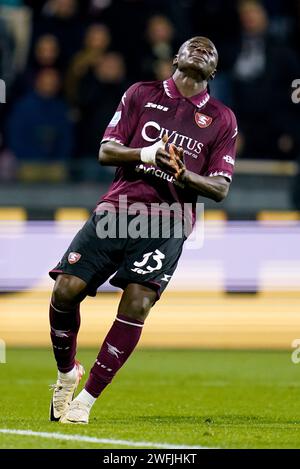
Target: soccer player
170	141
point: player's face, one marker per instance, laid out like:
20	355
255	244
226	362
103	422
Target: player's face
199	56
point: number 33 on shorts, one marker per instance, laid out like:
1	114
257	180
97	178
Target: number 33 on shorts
154	261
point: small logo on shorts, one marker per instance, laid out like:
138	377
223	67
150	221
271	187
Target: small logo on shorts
73	257
202	120
166	278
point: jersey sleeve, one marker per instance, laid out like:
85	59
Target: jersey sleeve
223	151
125	120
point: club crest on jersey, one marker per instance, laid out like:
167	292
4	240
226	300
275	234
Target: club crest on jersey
73	257
202	120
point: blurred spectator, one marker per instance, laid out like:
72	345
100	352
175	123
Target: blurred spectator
163	69
17	18
179	13
6	54
46	52
263	70
46	55
97	40
100	92
39	129
8	166
251	60
159	45
60	18
126	20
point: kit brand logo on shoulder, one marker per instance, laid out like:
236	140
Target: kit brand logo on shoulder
157	106
202	120
228	159
73	257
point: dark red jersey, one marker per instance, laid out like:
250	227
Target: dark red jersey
204	127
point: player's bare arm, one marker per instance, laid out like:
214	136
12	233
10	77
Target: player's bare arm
213	187
114	154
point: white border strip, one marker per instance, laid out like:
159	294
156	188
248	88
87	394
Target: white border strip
58	310
130	323
91	439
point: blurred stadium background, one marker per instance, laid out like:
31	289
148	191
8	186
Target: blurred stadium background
65	64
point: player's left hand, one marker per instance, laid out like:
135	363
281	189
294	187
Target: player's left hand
176	155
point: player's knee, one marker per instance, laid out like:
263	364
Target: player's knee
66	291
137	302
138	308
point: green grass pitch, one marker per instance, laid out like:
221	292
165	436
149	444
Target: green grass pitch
224	399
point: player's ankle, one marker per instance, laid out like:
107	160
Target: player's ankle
86	398
69	376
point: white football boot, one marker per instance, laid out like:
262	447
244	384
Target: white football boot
77	412
63	393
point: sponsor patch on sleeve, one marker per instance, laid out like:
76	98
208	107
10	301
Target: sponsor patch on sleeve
115	119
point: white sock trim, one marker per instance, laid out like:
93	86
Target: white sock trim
58	310
130	323
72	374
86	398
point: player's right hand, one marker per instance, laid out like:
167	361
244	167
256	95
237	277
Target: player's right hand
176	154
164	160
